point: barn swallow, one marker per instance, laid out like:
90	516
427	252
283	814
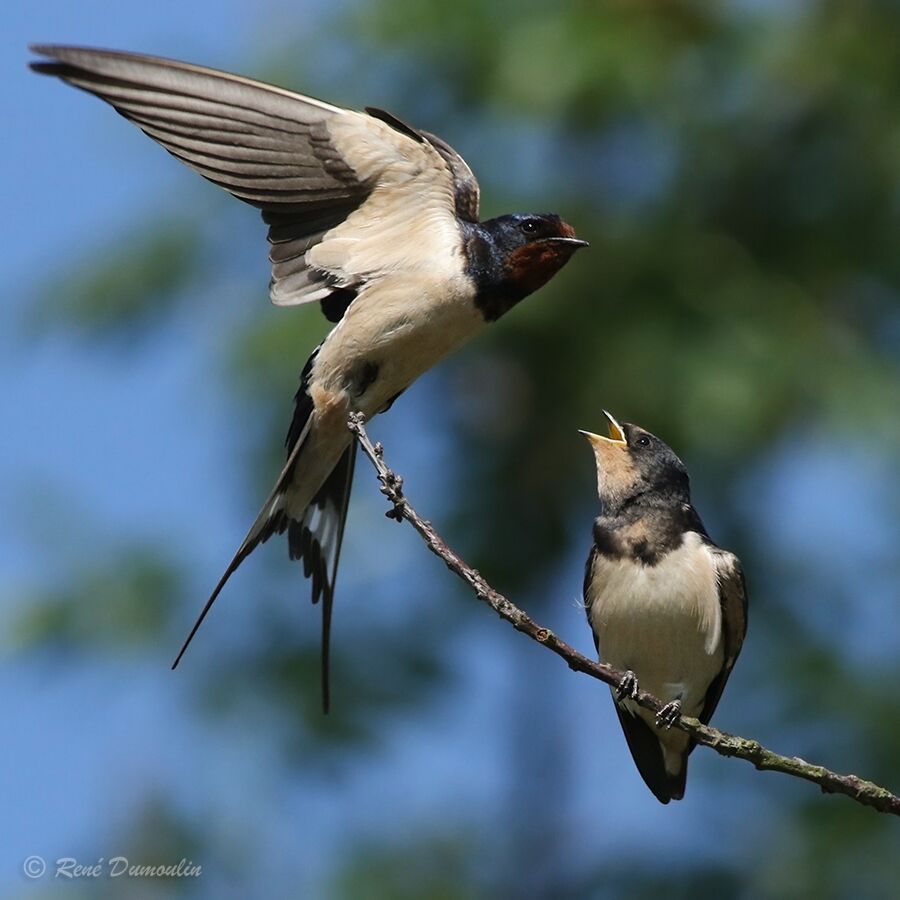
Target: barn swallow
375	220
665	604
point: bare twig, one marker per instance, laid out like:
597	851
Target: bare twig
864	792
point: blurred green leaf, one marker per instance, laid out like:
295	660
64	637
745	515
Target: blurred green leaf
127	287
128	598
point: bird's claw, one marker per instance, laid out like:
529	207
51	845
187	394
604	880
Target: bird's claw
669	715
627	687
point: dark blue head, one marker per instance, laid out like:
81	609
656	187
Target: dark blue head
512	256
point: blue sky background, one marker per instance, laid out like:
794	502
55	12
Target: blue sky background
106	448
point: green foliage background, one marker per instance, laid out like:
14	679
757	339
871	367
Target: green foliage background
736	167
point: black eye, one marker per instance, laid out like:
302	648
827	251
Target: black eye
529	226
643	441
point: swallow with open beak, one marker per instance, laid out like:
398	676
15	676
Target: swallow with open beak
371	218
665	604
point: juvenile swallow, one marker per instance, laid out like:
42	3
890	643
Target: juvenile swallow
375	220
665	604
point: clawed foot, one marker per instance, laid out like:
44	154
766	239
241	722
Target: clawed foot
669	715
628	686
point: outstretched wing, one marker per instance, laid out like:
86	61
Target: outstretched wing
347	195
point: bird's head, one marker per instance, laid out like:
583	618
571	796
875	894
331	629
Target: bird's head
512	256
534	248
636	466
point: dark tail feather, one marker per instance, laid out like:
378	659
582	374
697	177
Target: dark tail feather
317	541
647	753
243	552
678	782
266	524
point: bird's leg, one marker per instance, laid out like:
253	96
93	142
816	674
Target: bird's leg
669	715
628	686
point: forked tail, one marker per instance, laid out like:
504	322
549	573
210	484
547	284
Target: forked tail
315	536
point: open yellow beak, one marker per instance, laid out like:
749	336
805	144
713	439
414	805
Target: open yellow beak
616	435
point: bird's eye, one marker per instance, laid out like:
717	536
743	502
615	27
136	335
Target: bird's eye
529	226
643	441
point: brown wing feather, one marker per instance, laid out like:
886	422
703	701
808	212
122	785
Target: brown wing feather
466	192
306	164
465	186
261	143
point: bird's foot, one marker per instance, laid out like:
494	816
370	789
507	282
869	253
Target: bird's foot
356	422
669	715
628	686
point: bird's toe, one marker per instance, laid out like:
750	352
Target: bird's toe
627	687
669	715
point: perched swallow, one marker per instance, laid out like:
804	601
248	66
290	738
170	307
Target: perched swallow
375	220
665	604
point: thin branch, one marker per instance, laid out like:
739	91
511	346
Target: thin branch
865	792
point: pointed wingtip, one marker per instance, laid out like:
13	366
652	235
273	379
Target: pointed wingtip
42	66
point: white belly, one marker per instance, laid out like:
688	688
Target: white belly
404	328
663	622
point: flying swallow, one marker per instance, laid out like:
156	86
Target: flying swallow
665	604
371	218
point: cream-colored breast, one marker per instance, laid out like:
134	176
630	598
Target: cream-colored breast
404	325
391	334
663	622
